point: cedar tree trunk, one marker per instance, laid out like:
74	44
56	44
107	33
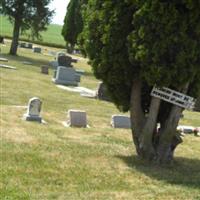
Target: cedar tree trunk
152	143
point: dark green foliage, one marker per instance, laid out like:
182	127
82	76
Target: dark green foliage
33	15
157	41
73	23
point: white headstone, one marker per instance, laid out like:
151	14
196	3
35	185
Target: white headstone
120	121
77	118
33	111
66	76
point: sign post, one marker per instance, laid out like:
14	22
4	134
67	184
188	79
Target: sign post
174	97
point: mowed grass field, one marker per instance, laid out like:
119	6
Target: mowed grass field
50	161
52	35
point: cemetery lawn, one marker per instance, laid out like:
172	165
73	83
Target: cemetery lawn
49	161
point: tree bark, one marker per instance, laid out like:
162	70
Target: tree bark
136	113
151	143
16	30
143	126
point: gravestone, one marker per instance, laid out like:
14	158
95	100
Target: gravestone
37	49
185	129
1	39
22	45
44	69
54	64
66	76
29	46
120	121
64	61
77	118
33	111
60	54
102	92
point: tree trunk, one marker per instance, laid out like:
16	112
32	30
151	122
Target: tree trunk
13	48
143	126
152	143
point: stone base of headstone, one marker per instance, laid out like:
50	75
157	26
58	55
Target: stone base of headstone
44	69
63	82
32	118
77	118
120	121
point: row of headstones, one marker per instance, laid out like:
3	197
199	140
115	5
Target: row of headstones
30	46
77	118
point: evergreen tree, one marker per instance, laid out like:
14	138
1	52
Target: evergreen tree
73	23
134	45
26	14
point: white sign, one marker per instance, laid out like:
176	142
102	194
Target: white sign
174	97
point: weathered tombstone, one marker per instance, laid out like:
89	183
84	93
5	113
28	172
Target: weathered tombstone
1	39
33	111
44	69
37	49
64	61
77	118
120	121
66	76
102	92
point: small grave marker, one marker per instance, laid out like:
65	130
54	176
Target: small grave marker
37	49
77	118
44	69
120	121
33	111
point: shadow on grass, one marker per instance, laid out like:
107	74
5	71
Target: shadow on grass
34	61
184	171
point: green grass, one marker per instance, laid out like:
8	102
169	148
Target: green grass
51	36
49	161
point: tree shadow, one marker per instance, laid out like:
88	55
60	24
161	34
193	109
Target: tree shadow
34	61
183	171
